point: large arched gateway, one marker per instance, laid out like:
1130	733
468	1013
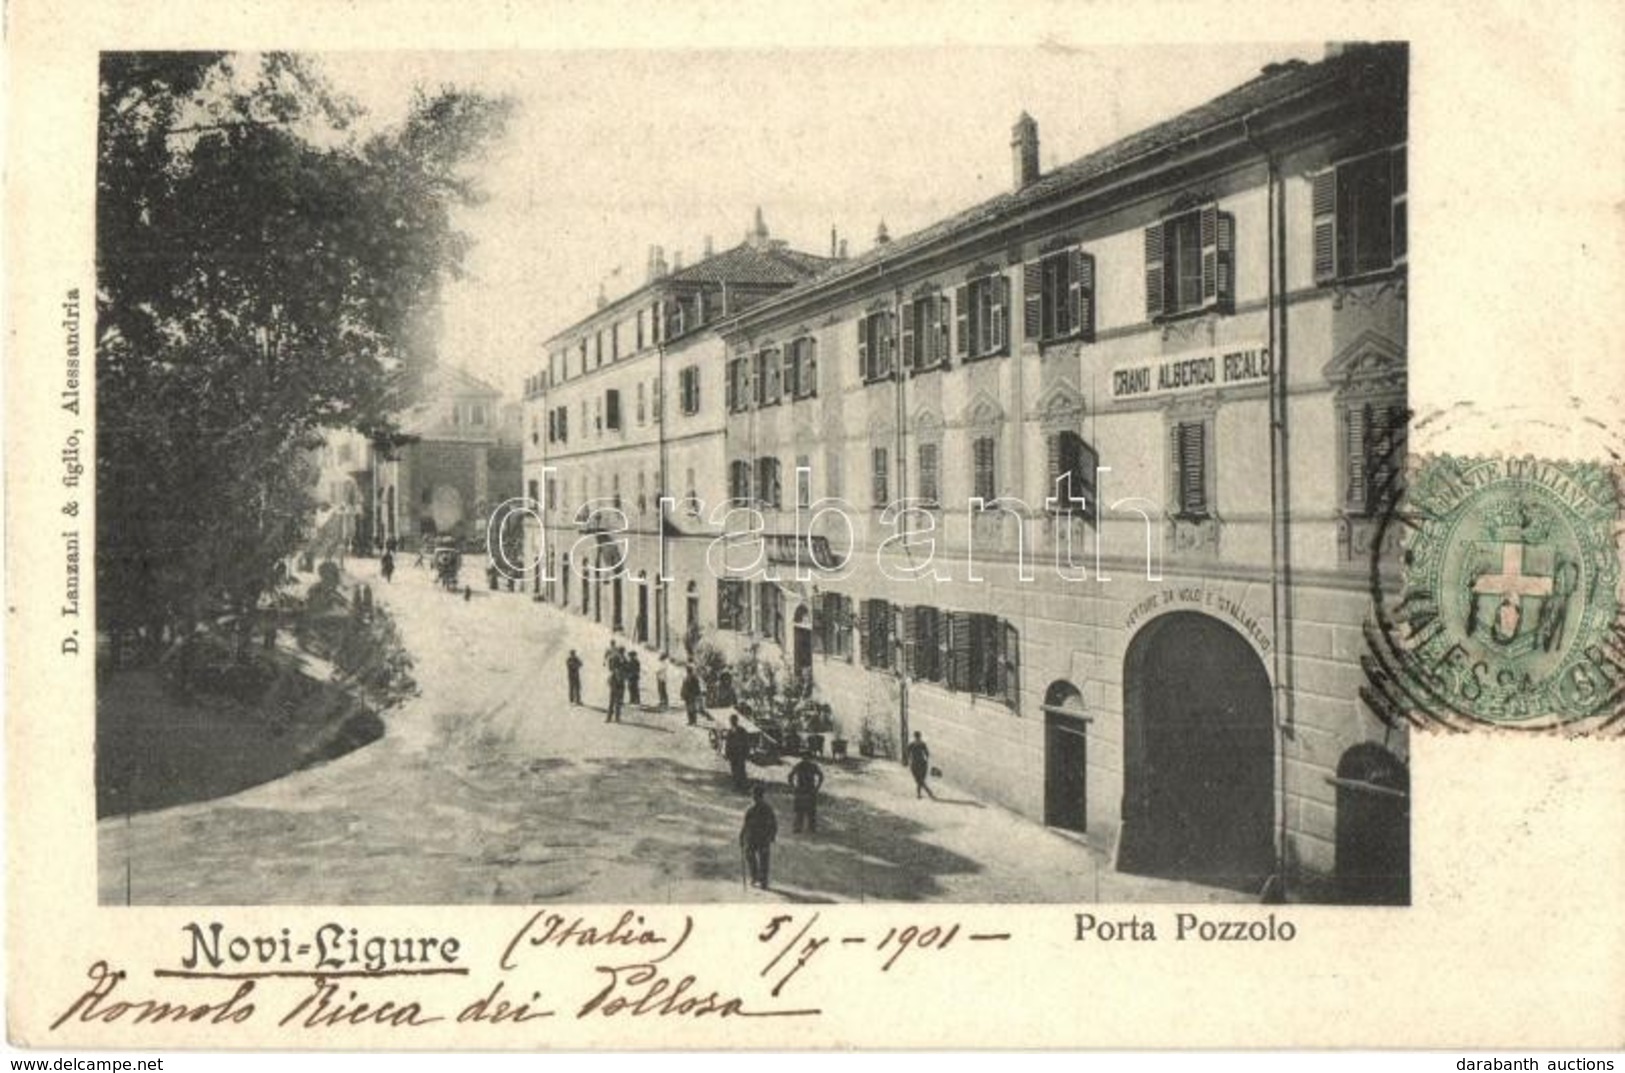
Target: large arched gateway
1198	755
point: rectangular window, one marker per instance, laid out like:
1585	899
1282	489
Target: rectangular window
1374	455
1059	292
985	476
739	482
688	382
801	367
981	317
835	625
925	333
880	482
768	488
641	414
876	618
615	341
733	612
1359	215
769	377
983	656
738	385
1183	260
1190	467
876	342
612	410
1189	263
564	424
772	604
930	489
552	493
641	315
803	481
552	426
1072	468
922	643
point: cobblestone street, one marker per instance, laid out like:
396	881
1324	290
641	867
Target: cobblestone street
489	788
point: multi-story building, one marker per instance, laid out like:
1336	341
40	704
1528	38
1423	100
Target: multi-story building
456	459
628	408
1110	450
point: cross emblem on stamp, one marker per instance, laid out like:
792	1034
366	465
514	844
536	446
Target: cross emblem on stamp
1510	612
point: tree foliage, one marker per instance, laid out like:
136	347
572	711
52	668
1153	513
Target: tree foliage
264	272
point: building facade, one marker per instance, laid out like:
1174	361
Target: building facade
1107	457
628	408
455	460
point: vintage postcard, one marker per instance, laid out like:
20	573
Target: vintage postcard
673	527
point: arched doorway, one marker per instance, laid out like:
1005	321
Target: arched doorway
803	644
1373	827
1198	755
1066	758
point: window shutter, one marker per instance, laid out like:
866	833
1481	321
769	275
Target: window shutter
864	370
959	651
887	357
1226	260
1192	458
909	341
1397	173
865	649
1032	295
1001	316
909	634
1010	665
1057	467
1355	424
1153	271
809	369
962	320
816	610
1323	201
1209	221
1074	291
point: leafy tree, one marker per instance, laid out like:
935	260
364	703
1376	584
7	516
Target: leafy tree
264	273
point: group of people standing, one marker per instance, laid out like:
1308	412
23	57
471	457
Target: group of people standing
625	682
806	777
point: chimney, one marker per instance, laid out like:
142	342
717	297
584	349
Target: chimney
660	261
881	235
677	261
603	298
649	267
842	254
832	244
757	235
710	248
1024	149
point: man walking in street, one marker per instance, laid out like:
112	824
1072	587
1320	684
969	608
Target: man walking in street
634	678
572	669
805	779
735	749
919	762
617	683
691	694
756	836
661	670
387	566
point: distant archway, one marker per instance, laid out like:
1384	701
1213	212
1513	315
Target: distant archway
1198	755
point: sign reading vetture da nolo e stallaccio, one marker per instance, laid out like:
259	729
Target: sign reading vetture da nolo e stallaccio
1225	366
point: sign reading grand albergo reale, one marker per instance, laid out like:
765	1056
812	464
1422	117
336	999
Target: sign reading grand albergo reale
1226	366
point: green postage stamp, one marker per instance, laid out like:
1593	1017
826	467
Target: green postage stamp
1510	611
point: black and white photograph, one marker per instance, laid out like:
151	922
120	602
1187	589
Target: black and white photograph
827	476
737	532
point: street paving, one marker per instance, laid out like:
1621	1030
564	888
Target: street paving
489	788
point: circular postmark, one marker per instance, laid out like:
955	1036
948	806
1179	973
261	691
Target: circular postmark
1507	610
